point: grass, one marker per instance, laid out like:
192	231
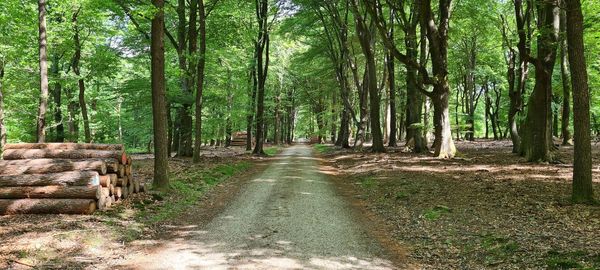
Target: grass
185	191
498	248
368	182
572	260
436	212
323	148
272	151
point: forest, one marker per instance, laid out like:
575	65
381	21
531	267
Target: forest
381	98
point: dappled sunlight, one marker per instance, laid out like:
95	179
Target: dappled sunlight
200	253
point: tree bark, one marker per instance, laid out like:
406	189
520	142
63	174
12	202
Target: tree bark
71	178
366	40
47	206
157	48
51	192
582	165
57	96
537	142
200	83
40	166
262	62
43	102
2	126
80	81
566	84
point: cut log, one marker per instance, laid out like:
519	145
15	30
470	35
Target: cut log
124	192
111	188
127	169
77	178
122	182
46	192
121	170
42	166
129	160
118	193
101	203
12	154
136	185
142	187
105	192
112	166
130	187
105	180
47	206
66	146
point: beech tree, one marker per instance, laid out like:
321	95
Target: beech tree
159	104
582	165
43	104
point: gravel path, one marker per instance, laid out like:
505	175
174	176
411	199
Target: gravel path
289	217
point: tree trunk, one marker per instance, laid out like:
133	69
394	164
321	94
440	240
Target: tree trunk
2	126
366	40
582	165
57	96
12	154
537	141
200	81
43	104
157	49
566	84
51	192
47	206
262	62
72	178
37	166
80	82
392	128
252	103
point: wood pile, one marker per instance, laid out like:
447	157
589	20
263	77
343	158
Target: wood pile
239	139
64	178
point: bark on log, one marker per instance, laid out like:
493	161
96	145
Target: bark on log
121	170
130	187
66	146
124	192
128	170
12	154
47	206
136	185
111	188
122	182
112	166
43	166
82	178
47	192
142	188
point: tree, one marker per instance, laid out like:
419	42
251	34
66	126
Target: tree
200	78
262	67
537	144
582	165
80	81
564	74
159	105
43	104
366	39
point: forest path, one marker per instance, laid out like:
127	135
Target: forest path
288	217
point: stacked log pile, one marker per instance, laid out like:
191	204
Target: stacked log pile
64	178
239	139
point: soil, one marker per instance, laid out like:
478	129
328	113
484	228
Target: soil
486	209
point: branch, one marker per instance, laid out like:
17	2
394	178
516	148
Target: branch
133	20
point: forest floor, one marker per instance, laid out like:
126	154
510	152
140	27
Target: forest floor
486	209
105	239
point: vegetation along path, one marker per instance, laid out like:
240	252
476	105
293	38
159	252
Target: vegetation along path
287	217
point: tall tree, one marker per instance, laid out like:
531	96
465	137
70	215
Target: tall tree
366	39
43	104
582	165
564	72
537	144
159	103
200	77
80	81
2	126
262	67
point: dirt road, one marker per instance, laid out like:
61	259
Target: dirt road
288	217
